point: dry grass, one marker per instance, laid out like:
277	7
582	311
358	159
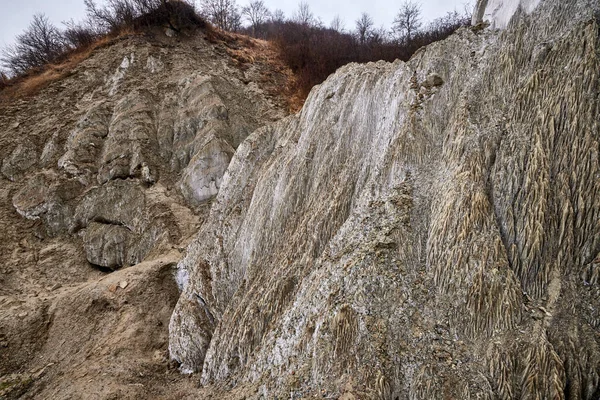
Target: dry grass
34	81
277	79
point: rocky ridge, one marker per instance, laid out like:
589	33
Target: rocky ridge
418	230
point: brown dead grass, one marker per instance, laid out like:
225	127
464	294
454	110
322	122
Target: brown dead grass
284	86
35	80
277	79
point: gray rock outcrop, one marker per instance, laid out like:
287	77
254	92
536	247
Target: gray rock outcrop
398	240
113	159
160	119
498	13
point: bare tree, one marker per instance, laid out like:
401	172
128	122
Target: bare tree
257	14
223	13
3	79
364	27
235	22
76	35
111	17
337	24
304	15
379	36
40	44
468	9
448	23
278	16
407	21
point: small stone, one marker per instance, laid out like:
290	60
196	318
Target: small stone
123	284
22	315
433	80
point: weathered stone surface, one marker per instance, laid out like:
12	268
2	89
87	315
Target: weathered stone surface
51	198
112	246
203	176
499	12
194	118
108	245
414	244
433	80
126	225
92	166
23	157
131	142
85	142
50	152
31	200
152	123
393	240
120	202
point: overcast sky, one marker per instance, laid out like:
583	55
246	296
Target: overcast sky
16	14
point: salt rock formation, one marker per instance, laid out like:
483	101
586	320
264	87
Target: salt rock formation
400	240
499	12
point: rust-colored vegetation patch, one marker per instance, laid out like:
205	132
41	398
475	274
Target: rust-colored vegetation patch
36	79
276	78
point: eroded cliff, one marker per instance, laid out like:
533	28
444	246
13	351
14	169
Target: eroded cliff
419	230
112	169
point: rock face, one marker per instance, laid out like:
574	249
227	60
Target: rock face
167	119
406	237
499	12
115	165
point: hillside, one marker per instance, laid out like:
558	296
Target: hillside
112	168
418	230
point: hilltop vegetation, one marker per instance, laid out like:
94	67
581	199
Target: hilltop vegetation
43	43
306	45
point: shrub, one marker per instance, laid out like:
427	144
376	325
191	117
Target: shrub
78	35
43	43
222	13
178	15
117	15
40	44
